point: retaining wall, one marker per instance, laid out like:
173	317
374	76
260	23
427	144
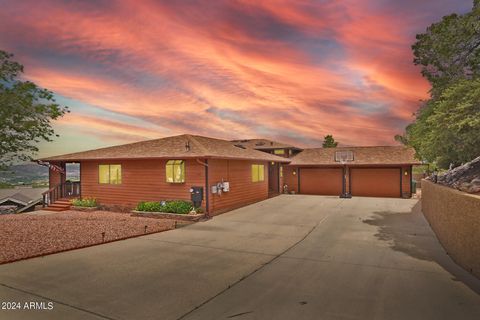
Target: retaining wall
455	218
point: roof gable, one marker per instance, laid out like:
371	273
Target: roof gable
378	155
263	144
18	198
182	146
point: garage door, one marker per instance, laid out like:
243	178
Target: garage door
321	181
375	182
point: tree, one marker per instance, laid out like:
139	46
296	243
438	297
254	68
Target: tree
446	128
26	112
450	50
329	142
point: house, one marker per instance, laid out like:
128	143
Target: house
230	174
19	202
167	168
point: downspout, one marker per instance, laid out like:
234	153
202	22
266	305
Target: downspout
411	180
207	202
80	176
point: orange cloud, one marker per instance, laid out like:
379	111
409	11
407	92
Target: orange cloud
283	70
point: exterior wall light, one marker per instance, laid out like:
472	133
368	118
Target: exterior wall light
406	172
294	172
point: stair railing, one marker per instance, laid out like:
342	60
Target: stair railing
61	190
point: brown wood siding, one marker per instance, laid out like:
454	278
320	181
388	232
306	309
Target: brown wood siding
142	180
55	178
290	179
242	190
321	181
376	182
406	181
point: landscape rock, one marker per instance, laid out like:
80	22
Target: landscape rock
464	178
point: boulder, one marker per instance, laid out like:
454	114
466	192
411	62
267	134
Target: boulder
465	177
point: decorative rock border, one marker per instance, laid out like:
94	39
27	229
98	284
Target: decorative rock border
87	209
165	215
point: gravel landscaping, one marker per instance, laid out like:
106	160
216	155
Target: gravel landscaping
26	235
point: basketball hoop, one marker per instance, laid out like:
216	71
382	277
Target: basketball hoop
343	157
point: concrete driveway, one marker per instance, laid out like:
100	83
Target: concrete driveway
290	257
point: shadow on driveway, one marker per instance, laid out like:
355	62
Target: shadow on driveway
410	233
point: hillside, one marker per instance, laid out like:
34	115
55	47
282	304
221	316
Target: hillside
31	173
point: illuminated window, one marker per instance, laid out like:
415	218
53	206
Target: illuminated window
110	173
279	151
115	174
281	172
175	171
258	172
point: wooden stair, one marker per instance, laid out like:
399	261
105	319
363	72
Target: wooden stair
59	205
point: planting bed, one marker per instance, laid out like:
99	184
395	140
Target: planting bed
24	236
166	215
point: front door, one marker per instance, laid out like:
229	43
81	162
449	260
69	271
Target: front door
273	177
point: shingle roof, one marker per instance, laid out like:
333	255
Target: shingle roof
263	144
383	155
18	198
182	146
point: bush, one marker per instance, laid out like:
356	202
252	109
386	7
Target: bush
150	206
85	202
175	206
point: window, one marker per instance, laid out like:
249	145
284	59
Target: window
279	151
110	173
281	172
175	171
258	172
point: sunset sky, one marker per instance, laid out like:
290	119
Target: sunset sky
292	71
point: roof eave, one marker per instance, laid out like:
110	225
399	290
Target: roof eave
277	159
354	164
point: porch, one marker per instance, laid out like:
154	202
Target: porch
64	185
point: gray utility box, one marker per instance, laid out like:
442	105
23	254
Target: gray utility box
196	195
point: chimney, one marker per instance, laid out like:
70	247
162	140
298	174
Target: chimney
187	146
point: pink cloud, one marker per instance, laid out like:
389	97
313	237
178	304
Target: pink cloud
290	70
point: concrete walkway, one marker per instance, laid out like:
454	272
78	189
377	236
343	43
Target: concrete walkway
289	257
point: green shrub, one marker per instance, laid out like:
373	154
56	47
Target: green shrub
178	206
150	206
174	206
85	202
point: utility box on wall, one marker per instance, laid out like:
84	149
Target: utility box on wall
226	186
220	187
196	195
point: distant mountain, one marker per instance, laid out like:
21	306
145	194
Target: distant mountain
30	173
